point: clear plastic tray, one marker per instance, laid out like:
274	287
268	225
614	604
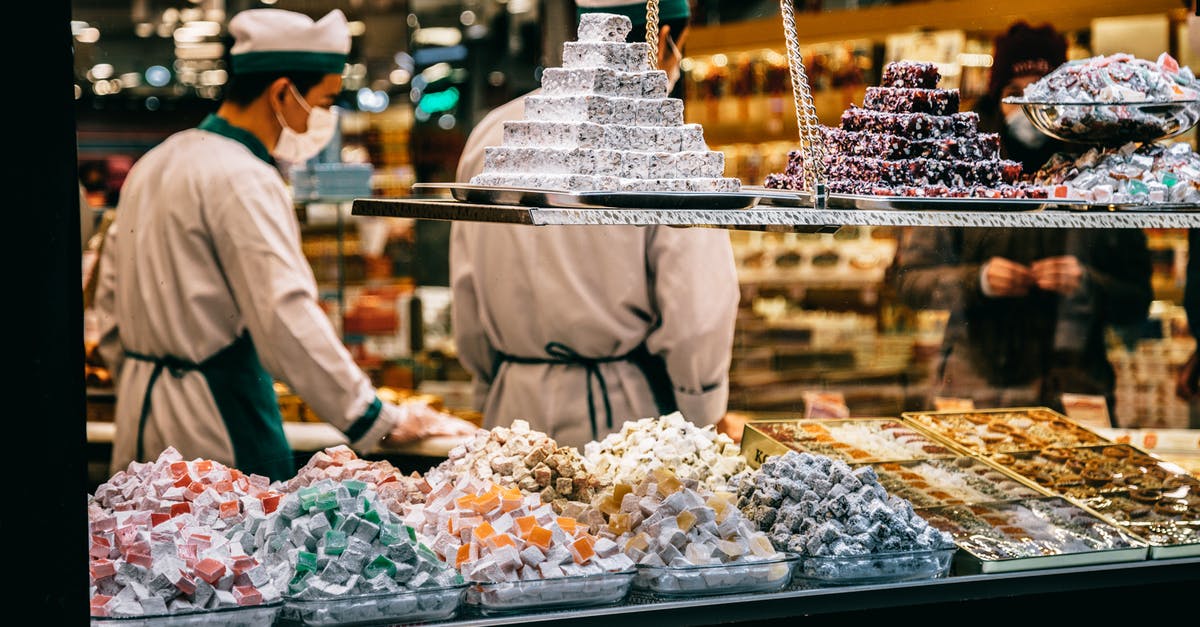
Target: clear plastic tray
731	578
247	616
408	606
1111	123
539	594
876	568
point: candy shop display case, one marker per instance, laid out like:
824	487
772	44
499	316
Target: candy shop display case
852	440
409	606
731	578
876	568
1047	532
506	597
245	616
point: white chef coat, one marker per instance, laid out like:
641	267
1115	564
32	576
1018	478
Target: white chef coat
601	291
205	247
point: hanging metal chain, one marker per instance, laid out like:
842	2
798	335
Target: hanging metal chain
652	31
812	144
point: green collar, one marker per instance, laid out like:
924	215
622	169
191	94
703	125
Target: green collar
219	125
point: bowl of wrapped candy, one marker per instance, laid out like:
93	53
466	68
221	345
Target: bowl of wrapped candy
1114	99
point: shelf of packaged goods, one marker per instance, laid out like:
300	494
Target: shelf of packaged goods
769	217
1050	592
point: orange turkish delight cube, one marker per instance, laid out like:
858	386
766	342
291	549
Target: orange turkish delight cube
567	524
581	549
524	525
464	554
483	531
540	537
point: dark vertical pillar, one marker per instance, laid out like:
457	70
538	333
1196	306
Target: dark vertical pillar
44	428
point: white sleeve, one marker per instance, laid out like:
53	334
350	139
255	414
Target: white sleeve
695	285
258	245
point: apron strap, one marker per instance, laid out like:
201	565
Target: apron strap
244	394
562	354
178	368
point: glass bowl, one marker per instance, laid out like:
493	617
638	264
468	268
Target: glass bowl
730	578
244	616
406	606
1111	123
555	592
876	567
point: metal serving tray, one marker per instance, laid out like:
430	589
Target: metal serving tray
982	482
1046	532
1017	438
760	441
798	199
491	195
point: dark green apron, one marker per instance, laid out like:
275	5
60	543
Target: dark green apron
653	367
245	397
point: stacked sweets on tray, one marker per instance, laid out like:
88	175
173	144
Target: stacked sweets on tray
603	122
910	139
1140	174
1114	99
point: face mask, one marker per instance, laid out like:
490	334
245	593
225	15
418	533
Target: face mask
294	147
1022	130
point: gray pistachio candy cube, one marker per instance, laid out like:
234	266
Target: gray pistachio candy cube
607	27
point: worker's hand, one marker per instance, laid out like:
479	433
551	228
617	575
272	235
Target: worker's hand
1058	274
1004	278
417	420
1186	386
733	424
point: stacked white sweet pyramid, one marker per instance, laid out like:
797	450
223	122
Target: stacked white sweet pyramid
603	122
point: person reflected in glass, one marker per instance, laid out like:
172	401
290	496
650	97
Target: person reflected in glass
1029	307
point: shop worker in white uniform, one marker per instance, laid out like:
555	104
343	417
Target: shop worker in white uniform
205	297
577	329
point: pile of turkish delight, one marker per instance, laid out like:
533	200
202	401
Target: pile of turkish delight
170	536
666	521
1116	77
817	506
669	441
340	463
336	538
674	526
603	121
497	534
519	457
1132	174
910	139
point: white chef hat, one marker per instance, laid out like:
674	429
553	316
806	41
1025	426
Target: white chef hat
273	40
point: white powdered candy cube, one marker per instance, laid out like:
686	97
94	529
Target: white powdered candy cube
590	108
601	81
700	164
615	56
654	84
635	165
692	138
548	161
643	138
604	27
660	165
